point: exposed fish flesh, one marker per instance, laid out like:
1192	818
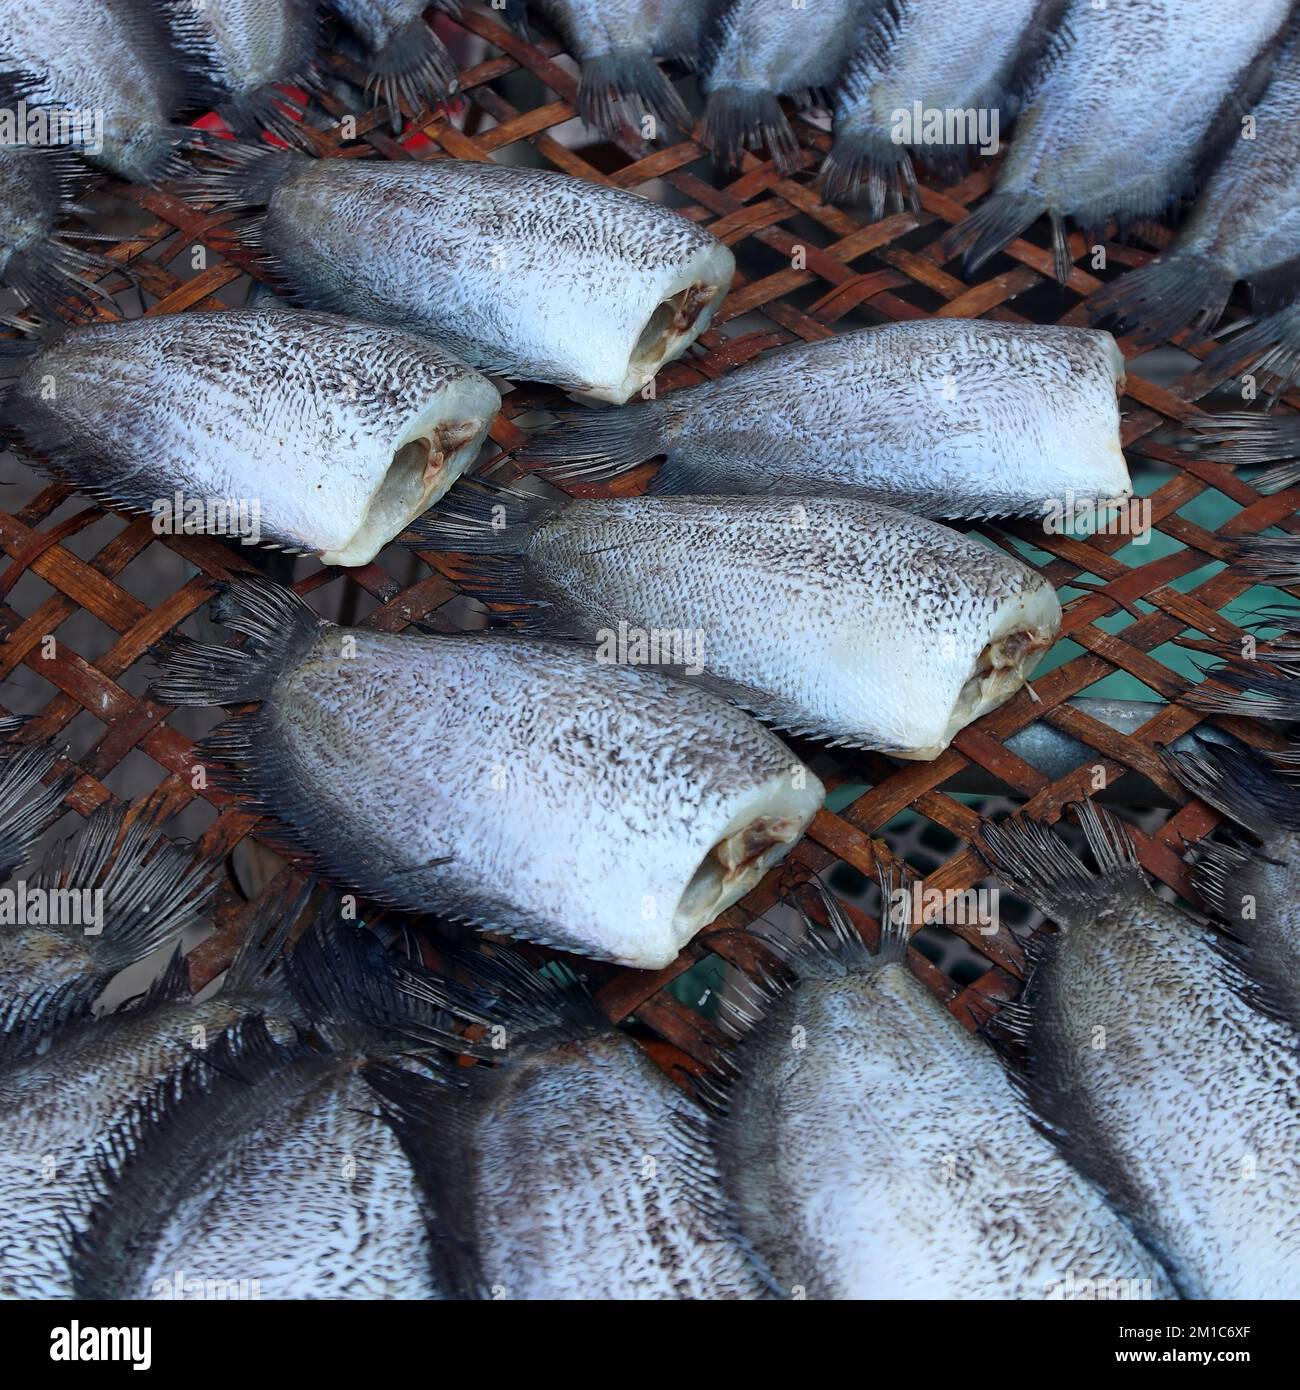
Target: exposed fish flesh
761	50
108	60
494	779
944	417
406	58
618	1198
928	61
1149	1063
520	272
1110	129
840	619
1246	226
617	41
96	907
306	430
855	1176
242	50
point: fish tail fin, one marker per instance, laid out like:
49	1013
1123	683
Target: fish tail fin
1241	785
1271	346
589	446
152	888
431	1122
414	66
28	806
1246	437
737	119
1000	219
341	976
1271	559
628	82
1252	693
270	109
865	157
494	526
1215	875
240	177
280	627
55	277
1041	867
255	970
1164	296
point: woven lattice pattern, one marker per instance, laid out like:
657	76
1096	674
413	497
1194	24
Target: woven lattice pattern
806	267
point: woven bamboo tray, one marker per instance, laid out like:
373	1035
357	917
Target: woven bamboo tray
805	268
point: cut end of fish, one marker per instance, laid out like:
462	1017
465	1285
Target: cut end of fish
677	320
423	468
761	834
1023	633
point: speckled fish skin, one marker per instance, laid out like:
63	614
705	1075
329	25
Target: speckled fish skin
855	1176
520	272
846	620
54	1109
1246	226
944	417
338	432
603	765
1189	1115
945	57
1111	130
317	1204
109	56
574	1168
759	50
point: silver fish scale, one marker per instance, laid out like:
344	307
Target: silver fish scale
874	1150
850	593
324	1206
244	405
1096	138
574	800
378	21
255	41
1182	1099
1271	880
1248	217
614	1200
947	417
945	56
519	271
88	57
774	45
29	201
54	1110
34	958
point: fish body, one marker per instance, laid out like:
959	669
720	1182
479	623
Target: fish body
846	620
1246	226
45	268
617	43
242	49
527	769
319	1202
758	51
1174	1094
305	430
925	56
520	272
942	417
618	1197
855	1175
110	58
1107	131
406	58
